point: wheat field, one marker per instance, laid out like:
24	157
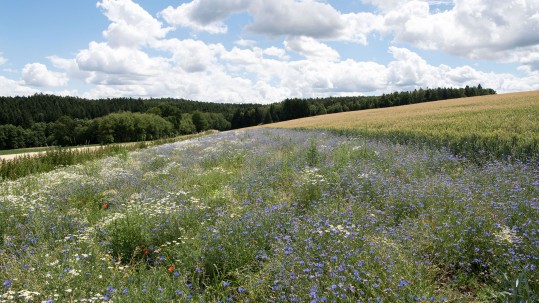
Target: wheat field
501	125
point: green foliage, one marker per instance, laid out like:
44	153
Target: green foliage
517	289
200	121
155	111
13	137
2	227
217	121
128	238
186	125
131	127
233	252
295	108
309	189
312	155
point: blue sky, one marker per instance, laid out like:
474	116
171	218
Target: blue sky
265	51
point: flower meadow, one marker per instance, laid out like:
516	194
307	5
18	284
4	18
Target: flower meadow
273	215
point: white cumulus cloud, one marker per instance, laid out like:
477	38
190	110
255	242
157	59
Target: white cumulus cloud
358	26
70	67
504	31
37	74
245	42
311	48
274	18
204	15
131	25
191	55
409	71
10	87
100	57
276	52
295	18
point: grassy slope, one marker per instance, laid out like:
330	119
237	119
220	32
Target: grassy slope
503	125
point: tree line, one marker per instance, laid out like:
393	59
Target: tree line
43	119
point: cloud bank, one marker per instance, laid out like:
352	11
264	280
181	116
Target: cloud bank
138	58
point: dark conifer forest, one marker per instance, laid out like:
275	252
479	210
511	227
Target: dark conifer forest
49	120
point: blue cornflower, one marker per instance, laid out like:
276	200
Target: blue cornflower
403	283
7	283
313	292
226	284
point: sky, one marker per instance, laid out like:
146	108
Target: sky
262	51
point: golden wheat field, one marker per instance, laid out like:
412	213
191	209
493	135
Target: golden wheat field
502	125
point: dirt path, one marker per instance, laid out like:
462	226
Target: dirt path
36	154
11	157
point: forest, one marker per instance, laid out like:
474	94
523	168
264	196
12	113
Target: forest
49	120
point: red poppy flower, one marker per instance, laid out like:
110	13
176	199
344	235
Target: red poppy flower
171	268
